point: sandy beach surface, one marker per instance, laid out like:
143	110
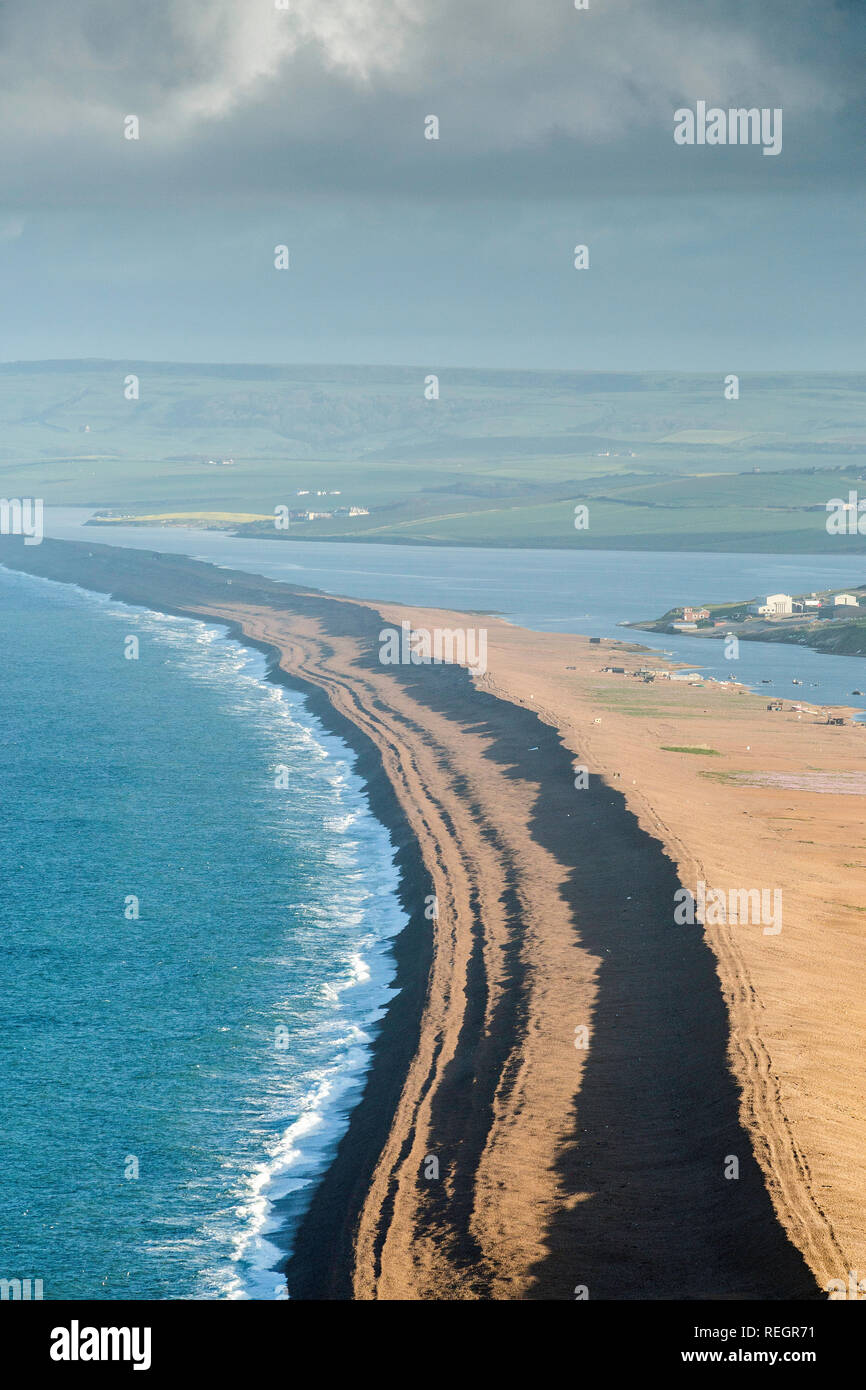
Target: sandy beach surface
567	1084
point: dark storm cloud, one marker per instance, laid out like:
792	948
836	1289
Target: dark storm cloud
532	95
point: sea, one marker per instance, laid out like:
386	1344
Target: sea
196	912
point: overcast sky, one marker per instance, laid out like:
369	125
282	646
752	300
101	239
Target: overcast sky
305	126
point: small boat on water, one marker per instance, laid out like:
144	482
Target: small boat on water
858	692
765	681
794	681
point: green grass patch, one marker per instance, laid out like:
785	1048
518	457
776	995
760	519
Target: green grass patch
684	748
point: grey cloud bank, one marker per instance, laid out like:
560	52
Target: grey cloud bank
321	93
304	126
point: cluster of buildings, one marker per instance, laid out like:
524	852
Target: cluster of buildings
301	514
783	605
769	606
690	619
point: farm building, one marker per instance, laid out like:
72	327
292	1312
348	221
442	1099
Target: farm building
773	605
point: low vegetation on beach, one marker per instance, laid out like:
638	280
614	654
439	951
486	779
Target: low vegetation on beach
684	748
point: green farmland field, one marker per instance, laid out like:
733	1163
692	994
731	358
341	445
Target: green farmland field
661	461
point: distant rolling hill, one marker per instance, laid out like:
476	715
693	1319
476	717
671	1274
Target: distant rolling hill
662	460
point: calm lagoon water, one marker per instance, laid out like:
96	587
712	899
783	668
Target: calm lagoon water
590	591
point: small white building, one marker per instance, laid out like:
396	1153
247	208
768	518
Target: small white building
845	601
773	605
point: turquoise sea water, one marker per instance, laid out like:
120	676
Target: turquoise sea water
214	1044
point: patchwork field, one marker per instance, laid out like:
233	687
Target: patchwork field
501	458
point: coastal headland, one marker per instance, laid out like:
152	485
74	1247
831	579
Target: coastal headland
832	621
573	1095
